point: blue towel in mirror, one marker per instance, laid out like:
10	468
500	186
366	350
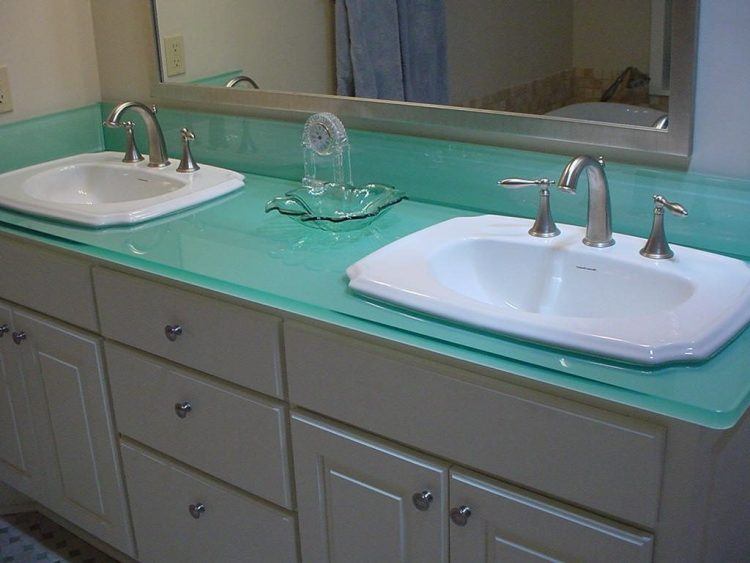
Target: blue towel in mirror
392	50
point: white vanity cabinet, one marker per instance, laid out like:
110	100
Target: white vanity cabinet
363	499
250	434
360	499
19	456
74	432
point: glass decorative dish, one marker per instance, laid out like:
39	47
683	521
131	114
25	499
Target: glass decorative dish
336	207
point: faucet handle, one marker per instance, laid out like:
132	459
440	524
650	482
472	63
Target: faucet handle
187	163
660	202
517	183
132	154
544	225
657	246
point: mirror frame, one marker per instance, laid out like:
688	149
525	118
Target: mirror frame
642	145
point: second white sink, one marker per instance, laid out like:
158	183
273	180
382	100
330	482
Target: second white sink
487	272
99	190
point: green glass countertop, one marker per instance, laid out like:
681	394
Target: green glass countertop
232	247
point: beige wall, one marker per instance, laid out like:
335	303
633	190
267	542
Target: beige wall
283	44
48	47
612	36
125	48
494	44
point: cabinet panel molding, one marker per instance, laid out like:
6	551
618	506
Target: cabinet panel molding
74	428
355	497
508	524
20	466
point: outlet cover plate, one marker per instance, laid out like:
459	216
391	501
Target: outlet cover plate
174	54
6	101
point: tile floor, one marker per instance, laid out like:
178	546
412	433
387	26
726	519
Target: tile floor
29	537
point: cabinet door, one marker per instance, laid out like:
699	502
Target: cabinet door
19	462
74	428
495	522
355	498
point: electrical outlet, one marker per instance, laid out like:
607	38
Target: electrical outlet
174	53
6	102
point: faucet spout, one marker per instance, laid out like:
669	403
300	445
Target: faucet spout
599	226
157	147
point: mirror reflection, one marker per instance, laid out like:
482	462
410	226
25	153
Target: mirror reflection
593	60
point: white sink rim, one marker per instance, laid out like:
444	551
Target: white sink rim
19	192
693	330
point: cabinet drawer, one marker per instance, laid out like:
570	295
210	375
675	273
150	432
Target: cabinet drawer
230	434
231	528
588	456
507	524
28	272
219	338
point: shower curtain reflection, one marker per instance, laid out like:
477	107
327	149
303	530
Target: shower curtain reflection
392	50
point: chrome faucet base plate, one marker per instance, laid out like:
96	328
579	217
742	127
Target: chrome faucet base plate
544	234
597	244
656	256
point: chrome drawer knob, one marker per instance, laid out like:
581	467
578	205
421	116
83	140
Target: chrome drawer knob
3	330
460	515
182	409
197	509
172	332
423	500
19	337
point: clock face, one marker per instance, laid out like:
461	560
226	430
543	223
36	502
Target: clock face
320	138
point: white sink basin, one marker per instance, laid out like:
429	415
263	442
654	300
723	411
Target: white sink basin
99	190
487	272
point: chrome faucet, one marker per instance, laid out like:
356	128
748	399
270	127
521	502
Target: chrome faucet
599	226
157	148
239	79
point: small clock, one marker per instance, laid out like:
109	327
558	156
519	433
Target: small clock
324	134
320	138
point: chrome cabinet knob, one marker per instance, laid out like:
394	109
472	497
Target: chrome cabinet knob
182	409
197	509
460	516
172	332
19	337
3	330
423	500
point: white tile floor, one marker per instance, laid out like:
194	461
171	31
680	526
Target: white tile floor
30	537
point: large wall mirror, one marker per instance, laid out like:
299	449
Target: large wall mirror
548	74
